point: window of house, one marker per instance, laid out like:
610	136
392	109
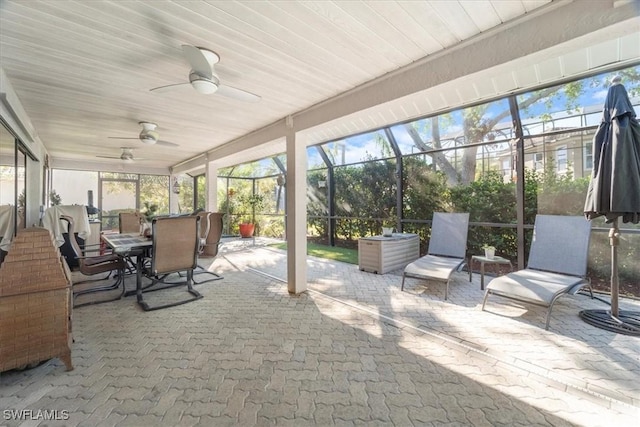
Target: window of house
538	163
588	156
561	159
506	166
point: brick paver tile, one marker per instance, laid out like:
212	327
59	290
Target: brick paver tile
361	353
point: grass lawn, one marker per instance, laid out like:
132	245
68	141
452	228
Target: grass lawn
329	252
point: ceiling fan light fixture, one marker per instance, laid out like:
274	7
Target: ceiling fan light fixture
149	137
203	85
126	155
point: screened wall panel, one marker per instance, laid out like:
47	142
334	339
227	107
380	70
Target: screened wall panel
467	160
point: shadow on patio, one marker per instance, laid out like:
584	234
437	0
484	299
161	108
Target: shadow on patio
577	356
352	350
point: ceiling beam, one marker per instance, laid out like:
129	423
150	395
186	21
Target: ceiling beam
116	166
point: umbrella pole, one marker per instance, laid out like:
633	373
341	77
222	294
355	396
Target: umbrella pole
614	237
623	322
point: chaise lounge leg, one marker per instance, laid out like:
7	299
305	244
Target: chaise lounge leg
484	300
590	290
546	326
402	287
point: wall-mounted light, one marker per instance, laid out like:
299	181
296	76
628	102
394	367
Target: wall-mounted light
175	187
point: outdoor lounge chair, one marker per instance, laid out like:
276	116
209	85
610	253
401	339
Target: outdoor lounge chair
447	250
557	264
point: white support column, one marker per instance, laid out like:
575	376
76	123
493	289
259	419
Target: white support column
296	222
211	187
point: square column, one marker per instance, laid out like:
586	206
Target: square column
211	186
296	218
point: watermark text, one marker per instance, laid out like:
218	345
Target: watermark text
35	414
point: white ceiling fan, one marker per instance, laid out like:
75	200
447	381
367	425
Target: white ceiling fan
126	155
203	76
148	135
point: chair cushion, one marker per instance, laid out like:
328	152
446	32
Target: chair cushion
433	267
539	287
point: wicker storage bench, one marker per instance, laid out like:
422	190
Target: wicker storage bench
35	309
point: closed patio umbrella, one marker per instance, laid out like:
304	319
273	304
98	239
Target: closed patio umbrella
614	192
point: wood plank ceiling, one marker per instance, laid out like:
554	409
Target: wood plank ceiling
83	69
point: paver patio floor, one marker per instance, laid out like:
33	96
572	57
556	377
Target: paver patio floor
353	350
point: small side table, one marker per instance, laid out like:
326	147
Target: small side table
484	260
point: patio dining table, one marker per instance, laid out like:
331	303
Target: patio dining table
130	244
126	243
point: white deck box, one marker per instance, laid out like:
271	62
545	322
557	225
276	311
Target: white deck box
380	254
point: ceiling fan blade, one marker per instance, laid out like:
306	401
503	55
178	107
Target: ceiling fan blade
198	60
167	144
118	158
161	89
239	94
120	137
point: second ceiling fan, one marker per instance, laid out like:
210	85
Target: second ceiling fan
148	135
203	77
126	155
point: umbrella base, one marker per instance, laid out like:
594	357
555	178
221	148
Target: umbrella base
627	322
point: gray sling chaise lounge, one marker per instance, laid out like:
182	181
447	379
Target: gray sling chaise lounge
447	250
557	264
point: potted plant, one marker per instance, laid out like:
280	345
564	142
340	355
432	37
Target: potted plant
55	198
247	226
148	212
387	229
489	251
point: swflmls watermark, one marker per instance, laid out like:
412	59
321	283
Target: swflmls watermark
31	414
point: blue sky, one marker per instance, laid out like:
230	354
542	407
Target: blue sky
357	147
